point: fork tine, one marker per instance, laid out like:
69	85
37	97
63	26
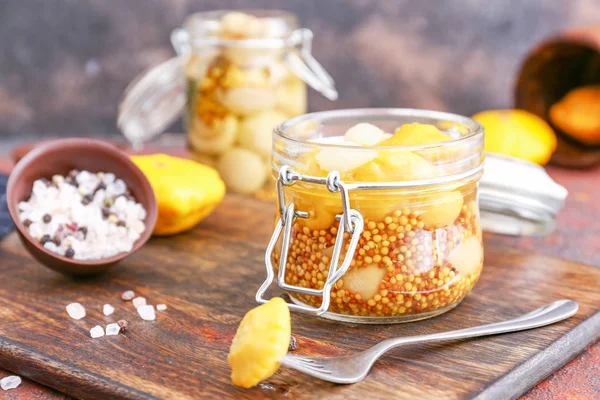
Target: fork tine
305	364
312	365
301	358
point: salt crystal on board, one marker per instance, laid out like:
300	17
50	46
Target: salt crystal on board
128	295
108	309
161	307
96	332
10	382
147	312
139	301
76	311
112	329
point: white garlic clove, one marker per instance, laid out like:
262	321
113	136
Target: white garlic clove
291	97
365	134
467	258
364	280
256	131
239	25
252	58
220	137
343	160
246	100
242	170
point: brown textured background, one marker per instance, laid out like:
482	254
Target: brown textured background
65	63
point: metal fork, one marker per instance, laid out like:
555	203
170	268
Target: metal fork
353	368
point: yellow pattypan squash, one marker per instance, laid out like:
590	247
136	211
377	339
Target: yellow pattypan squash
518	133
185	190
261	341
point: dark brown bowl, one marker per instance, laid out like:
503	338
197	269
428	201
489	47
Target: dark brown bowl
59	157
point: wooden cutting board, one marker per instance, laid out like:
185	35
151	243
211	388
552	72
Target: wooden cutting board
208	278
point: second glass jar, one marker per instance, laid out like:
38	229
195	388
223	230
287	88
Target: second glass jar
239	88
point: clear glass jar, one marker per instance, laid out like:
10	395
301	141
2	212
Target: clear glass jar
411	247
236	76
239	87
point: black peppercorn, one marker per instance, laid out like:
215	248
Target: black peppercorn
27	222
56	240
105	213
83	230
71	181
47	218
121	223
87	199
69	253
45	239
101	186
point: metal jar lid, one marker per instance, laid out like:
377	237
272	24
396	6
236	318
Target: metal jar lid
517	197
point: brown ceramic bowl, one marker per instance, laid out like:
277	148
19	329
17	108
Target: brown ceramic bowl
20	151
59	157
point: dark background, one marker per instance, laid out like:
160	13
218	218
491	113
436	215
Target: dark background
64	64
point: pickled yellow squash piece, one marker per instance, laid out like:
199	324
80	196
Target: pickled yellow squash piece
261	340
402	165
186	191
420	134
442	209
415	134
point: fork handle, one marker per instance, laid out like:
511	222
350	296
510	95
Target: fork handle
549	314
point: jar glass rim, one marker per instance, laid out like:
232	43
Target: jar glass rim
475	128
202	26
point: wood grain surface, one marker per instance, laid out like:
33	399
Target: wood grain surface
208	278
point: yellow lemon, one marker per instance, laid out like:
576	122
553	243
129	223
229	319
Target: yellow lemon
518	133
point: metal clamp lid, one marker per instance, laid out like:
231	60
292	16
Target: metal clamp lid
152	101
307	68
351	221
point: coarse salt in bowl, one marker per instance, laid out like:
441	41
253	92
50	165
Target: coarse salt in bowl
60	157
